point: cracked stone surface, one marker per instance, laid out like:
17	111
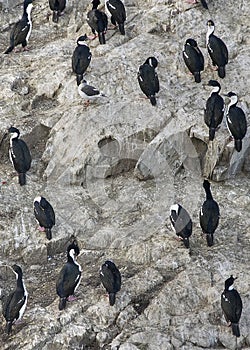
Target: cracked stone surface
113	169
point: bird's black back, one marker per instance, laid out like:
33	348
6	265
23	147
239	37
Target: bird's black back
214	111
238	124
209	216
148	80
57	5
81	59
110	278
193	58
45	215
68	279
217	51
117	10
20	156
231	305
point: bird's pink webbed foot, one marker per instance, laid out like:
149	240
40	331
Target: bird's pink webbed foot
92	37
71	298
40	228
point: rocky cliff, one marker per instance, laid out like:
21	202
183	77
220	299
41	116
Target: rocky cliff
113	169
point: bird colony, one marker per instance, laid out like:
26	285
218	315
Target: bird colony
124	178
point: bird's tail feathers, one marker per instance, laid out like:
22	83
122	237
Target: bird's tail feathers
9	49
8	327
62	303
22	179
197	77
121	28
210	239
48	233
221	72
101	37
55	16
236	329
79	79
186	242
211	134
111	299
238	145
152	100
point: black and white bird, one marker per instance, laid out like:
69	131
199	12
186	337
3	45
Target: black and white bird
57	6
203	2
45	215
217	50
81	58
89	92
118	14
148	79
111	279
209	215
19	155
69	276
98	22
231	305
15	304
214	111
181	222
193	58
21	31
236	121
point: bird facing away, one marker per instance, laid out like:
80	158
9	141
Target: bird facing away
118	14
89	92
209	215
181	222
148	79
236	121
19	155
81	58
217	50
193	58
231	305
69	276
45	215
21	31
213	114
111	279
57	6
15	304
98	22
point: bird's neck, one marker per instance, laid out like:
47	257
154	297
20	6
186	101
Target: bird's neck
215	90
233	101
209	32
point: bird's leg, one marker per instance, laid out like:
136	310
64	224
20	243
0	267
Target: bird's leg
92	37
178	238
71	298
40	228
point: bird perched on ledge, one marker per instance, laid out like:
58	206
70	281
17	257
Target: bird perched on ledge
81	58
19	155
148	79
69	276
89	92
193	58
214	111
98	22
236	121
231	305
217	50
44	214
111	279
181	222
15	304
118	14
21	31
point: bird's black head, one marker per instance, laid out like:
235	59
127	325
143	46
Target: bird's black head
109	265
231	94
14	131
229	282
191	42
81	40
206	184
210	23
214	83
152	61
17	269
75	247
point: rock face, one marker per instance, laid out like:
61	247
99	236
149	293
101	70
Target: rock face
113	169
